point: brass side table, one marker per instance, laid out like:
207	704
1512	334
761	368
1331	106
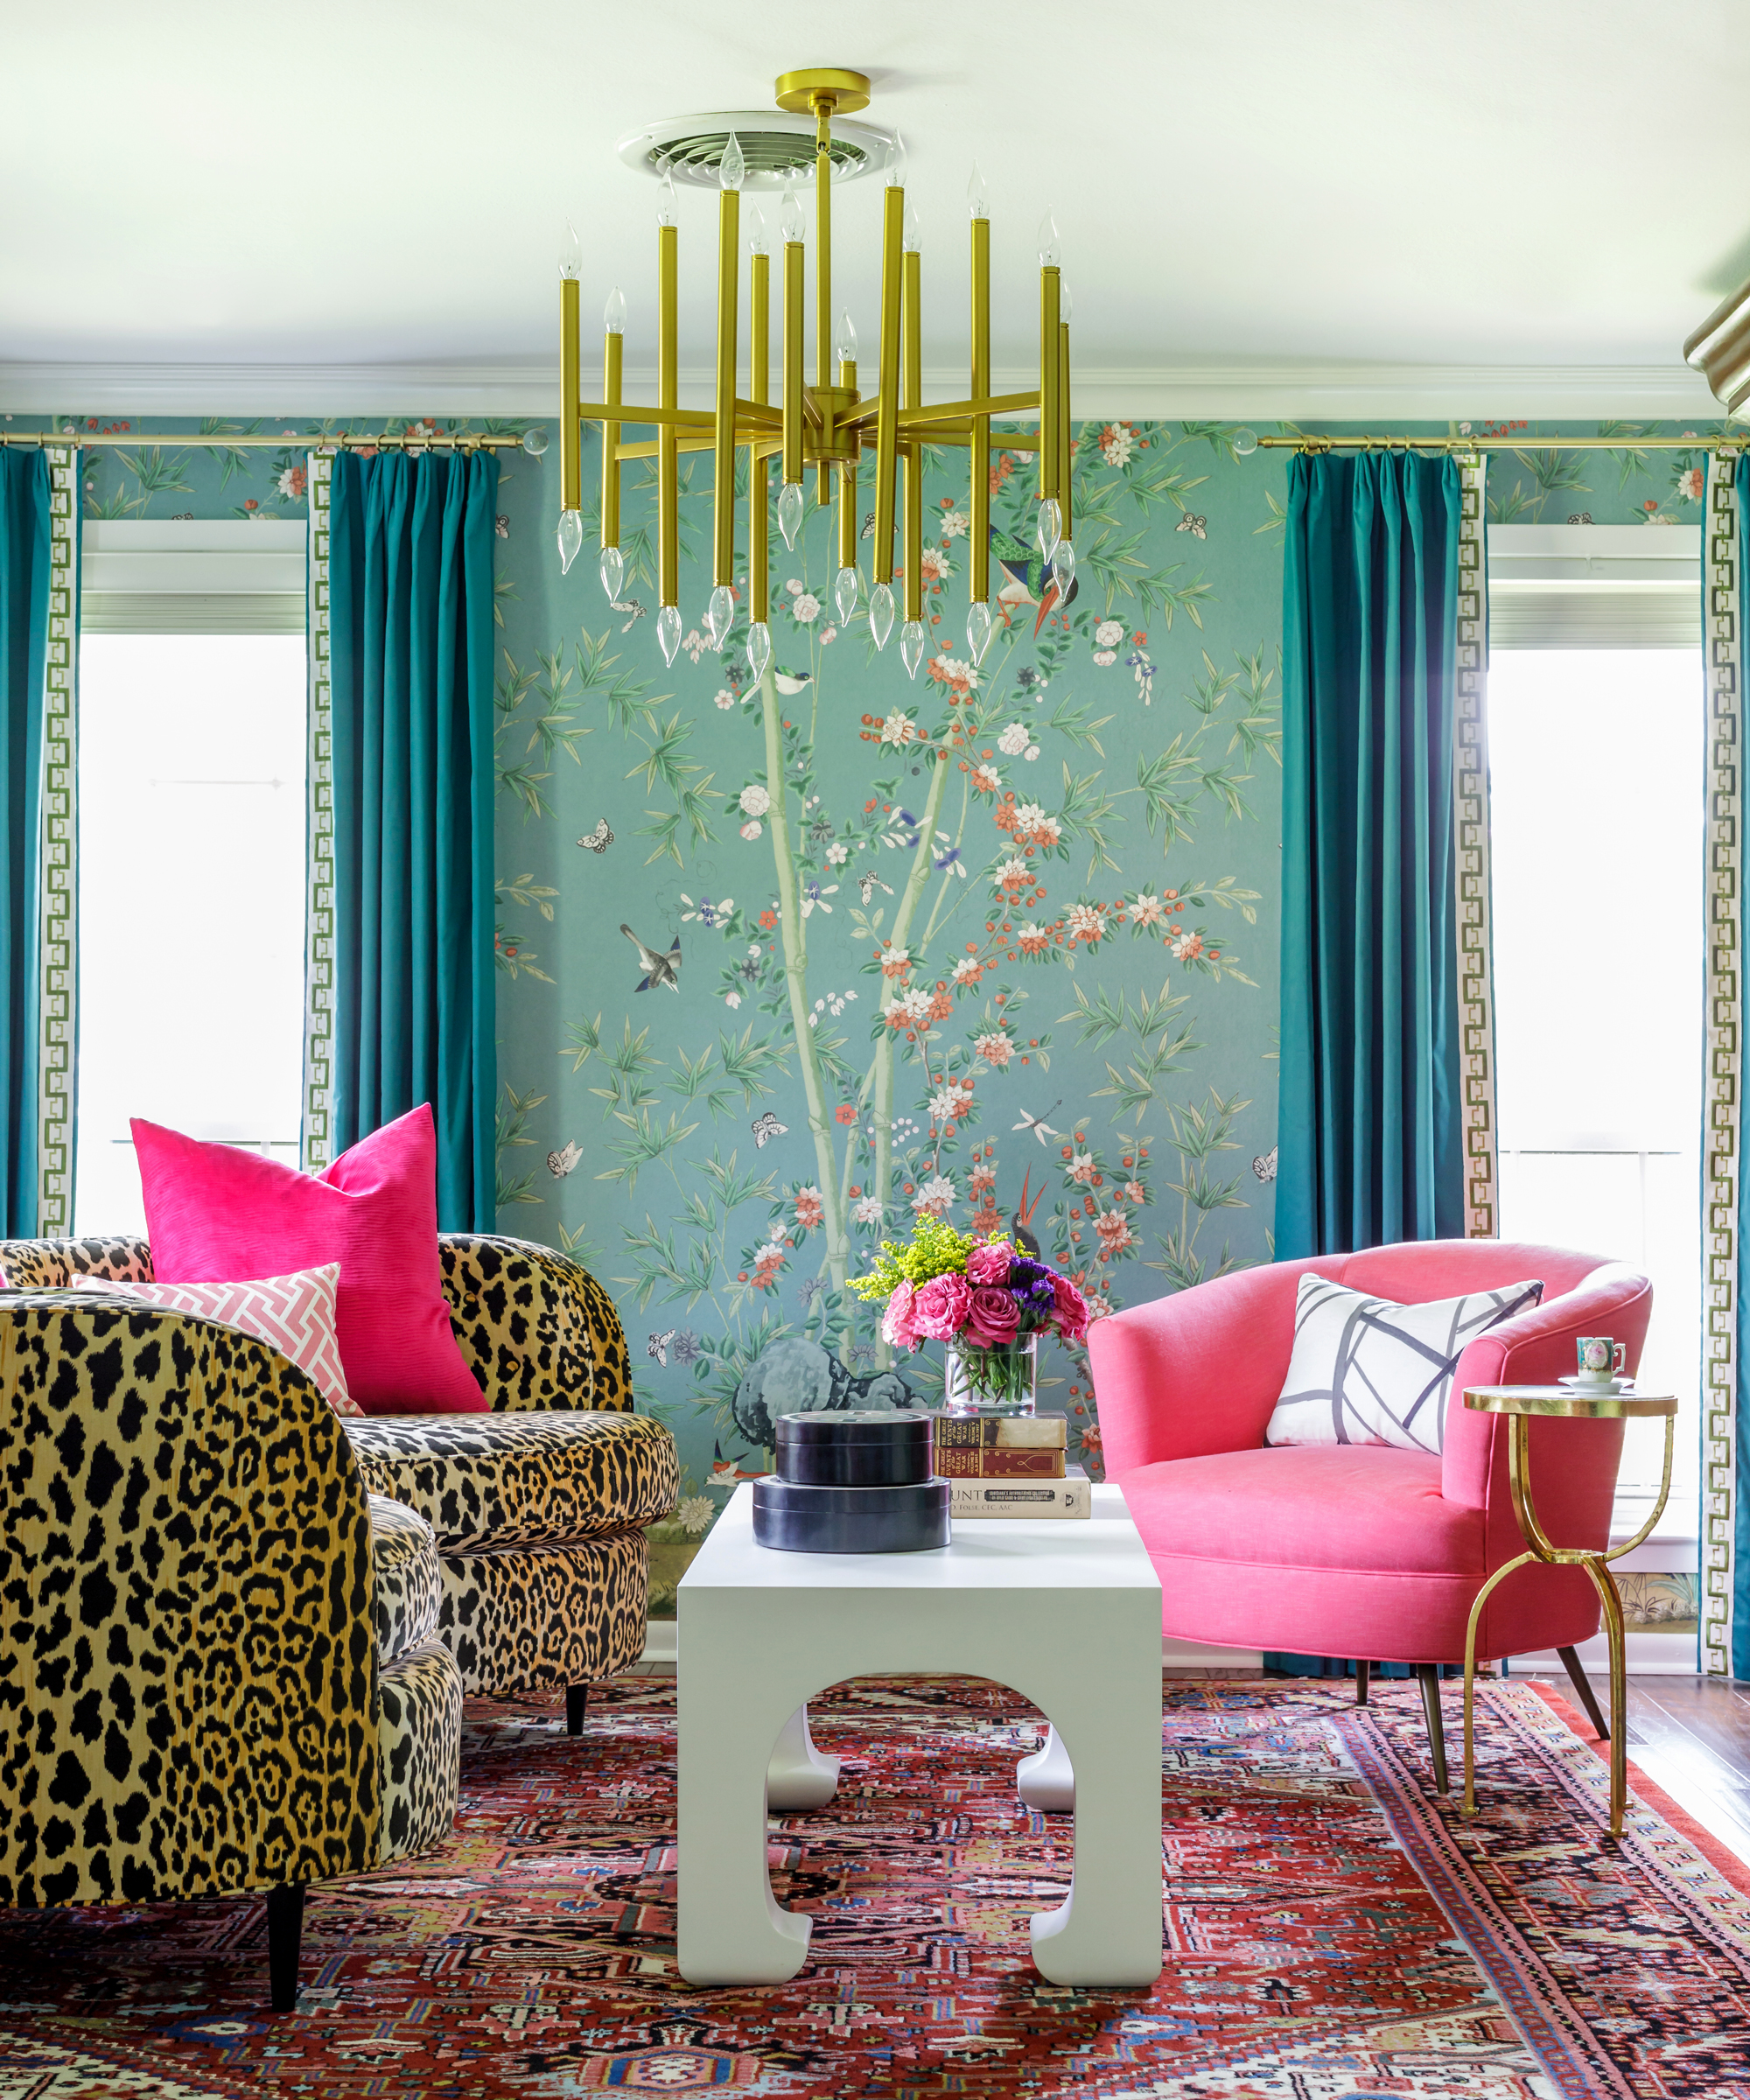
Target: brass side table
1522	1404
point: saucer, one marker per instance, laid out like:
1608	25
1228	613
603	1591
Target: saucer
1604	1389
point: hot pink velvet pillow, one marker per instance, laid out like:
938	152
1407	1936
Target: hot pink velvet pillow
216	1215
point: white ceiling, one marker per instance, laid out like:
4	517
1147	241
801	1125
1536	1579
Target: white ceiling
1387	200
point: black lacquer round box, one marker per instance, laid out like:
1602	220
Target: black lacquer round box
852	1481
856	1447
796	1516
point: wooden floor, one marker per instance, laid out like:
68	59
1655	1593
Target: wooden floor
1691	1736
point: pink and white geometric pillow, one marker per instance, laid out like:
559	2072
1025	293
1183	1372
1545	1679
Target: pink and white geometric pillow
294	1314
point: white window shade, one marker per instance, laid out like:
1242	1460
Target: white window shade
1594	587
196	576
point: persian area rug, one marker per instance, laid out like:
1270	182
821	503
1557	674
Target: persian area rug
1331	1931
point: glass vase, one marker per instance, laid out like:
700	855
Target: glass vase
1003	1381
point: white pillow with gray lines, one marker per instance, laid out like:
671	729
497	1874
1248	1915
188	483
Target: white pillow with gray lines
1367	1371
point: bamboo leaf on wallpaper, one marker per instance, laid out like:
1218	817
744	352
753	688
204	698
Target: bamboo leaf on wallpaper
504	592
155	474
1073	722
662	760
632	1055
1204	1194
659	1261
735	1188
231	458
1225	787
1260	727
629	703
525	783
1209	692
1100	1019
692	809
1629	459
647	1143
577	1245
1278	519
523	889
749	1062
585	1040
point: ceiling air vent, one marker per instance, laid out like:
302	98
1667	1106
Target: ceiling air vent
777	148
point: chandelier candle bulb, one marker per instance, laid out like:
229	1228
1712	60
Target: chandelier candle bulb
911	646
720	615
846	589
790	502
668	631
887	397
613	573
881	611
759	649
570	538
977	630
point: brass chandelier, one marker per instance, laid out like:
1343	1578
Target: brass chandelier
829	426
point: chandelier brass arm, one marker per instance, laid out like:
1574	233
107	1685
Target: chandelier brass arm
828	424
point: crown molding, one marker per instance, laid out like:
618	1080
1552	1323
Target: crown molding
1296	392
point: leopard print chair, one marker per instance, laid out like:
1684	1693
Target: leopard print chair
219	1668
538	1505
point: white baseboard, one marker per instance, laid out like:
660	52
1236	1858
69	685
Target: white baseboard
1648	1654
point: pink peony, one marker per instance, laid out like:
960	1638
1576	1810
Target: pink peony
988	1263
993	1318
898	1322
1072	1309
939	1310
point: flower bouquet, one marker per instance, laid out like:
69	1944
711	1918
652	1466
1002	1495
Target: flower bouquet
987	1300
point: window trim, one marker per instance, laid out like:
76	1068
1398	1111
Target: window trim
194	576
1594	587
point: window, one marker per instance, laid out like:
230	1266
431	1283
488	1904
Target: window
192	847
1596	758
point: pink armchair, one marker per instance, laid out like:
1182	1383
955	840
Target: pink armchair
1358	1549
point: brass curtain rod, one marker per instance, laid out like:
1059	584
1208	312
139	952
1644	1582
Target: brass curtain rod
219	441
1317	442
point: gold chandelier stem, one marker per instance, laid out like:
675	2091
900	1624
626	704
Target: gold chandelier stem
979	465
1050	281
824	332
758	386
571	424
668	397
1065	436
887	398
793	361
847	480
728	275
613	349
912	382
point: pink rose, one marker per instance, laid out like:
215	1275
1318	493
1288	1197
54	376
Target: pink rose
939	1310
1072	1309
993	1318
988	1263
898	1322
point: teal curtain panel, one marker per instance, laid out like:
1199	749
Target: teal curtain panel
1371	1133
411	640
26	535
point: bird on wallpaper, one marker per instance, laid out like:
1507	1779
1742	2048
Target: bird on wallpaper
789	684
658	970
1021	1223
1028	584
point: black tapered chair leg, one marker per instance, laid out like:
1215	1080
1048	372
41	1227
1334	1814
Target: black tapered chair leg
1363	1671
1582	1683
285	1940
1430	1675
576	1706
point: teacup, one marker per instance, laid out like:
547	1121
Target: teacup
1600	1359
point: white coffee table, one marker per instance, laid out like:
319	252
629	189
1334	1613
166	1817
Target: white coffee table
1066	1611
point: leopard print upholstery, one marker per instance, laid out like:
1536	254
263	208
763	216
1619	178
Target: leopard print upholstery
419	1740
46	1264
529	1618
537	1330
407	1586
188	1696
520	1479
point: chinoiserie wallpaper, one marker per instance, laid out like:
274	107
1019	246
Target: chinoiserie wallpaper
994	942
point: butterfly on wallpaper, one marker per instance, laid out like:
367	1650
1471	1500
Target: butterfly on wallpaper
1192	523
1038	1126
868	884
659	1347
501	526
626	604
1265	1167
869	525
1580	517
600	839
560	1163
658	968
765	1125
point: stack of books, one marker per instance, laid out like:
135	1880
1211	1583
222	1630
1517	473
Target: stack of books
1009	1466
